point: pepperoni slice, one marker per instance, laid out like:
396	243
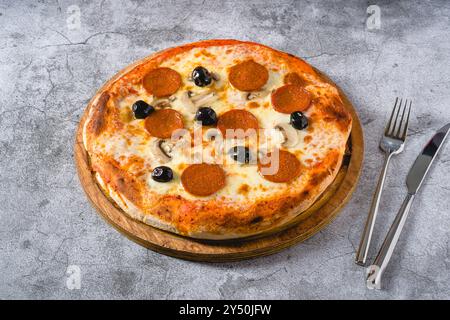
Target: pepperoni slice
237	119
161	123
294	78
162	82
203	179
290	98
248	76
289	167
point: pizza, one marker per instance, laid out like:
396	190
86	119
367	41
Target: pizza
217	139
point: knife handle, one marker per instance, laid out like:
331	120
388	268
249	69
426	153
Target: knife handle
375	271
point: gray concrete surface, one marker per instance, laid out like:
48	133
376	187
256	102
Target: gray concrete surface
48	71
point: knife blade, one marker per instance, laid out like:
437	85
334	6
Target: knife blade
419	169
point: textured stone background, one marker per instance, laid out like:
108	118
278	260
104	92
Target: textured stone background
48	73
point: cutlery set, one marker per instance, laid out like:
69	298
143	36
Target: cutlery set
392	143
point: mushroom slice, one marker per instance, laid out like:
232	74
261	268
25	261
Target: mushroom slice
187	102
192	102
199	94
215	76
162	149
257	94
289	133
161	103
209	98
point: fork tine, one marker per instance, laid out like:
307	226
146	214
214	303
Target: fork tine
405	131
394	125
388	126
397	134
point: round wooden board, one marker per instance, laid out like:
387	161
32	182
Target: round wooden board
320	214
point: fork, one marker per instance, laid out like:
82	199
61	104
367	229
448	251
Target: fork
392	143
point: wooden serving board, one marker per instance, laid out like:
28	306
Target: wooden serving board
320	214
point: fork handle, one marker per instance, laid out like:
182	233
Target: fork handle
375	271
363	249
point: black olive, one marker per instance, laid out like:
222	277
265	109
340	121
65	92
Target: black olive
162	174
298	120
142	109
206	116
201	76
240	154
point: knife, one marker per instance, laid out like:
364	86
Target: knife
414	180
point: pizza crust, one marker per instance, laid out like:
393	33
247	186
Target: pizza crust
181	215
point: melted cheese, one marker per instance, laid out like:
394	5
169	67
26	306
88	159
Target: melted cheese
243	182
